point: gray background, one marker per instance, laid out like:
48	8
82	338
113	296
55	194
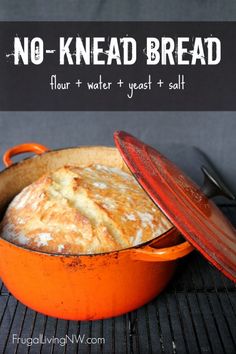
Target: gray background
174	133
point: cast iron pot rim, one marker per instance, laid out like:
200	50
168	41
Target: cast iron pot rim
68	255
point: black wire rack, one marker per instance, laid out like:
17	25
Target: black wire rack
196	313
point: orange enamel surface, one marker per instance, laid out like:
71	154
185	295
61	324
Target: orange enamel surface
81	287
20	149
163	254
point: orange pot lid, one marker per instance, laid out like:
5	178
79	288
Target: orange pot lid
197	218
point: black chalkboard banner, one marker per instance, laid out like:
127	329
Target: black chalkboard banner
117	66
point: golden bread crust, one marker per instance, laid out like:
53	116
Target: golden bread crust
86	210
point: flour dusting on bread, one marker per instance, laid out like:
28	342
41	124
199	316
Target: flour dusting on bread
83	210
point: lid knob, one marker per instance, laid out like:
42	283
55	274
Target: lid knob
213	186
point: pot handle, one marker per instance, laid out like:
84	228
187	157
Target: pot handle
172	253
20	149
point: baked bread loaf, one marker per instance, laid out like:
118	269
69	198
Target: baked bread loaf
83	210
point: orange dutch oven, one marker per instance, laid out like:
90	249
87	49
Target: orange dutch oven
81	287
91	287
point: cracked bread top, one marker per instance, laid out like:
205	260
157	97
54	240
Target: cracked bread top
83	210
